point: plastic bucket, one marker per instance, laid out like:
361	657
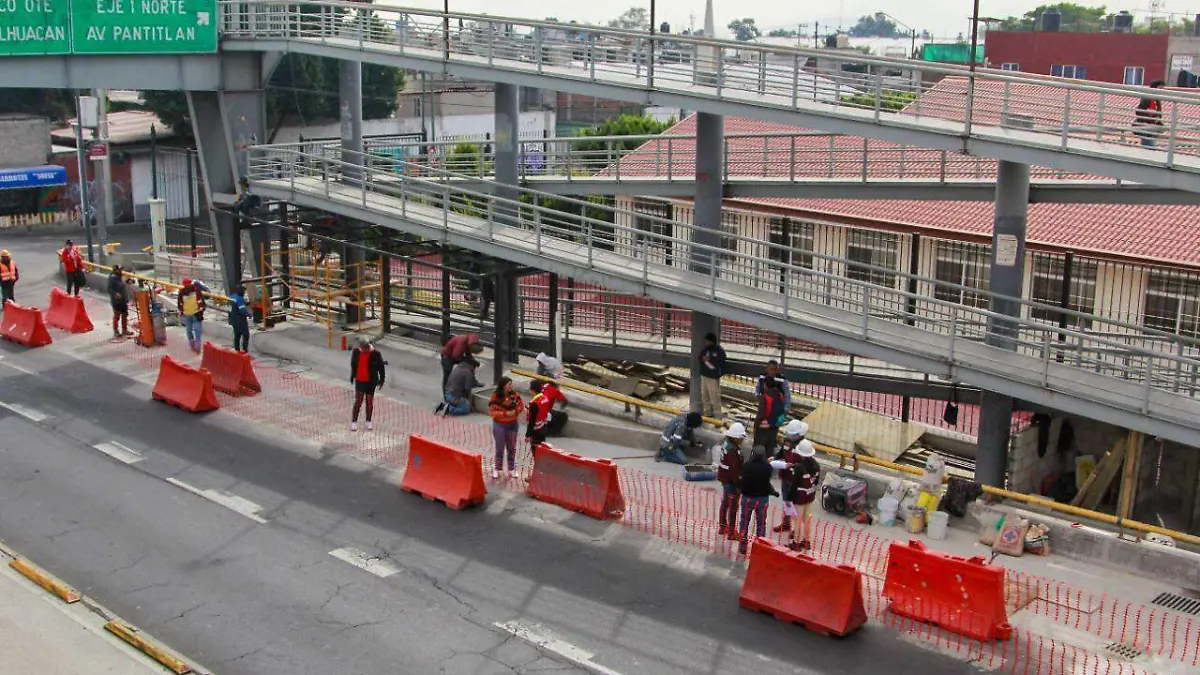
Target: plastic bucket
939	522
887	510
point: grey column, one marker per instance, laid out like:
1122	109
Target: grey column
1007	279
350	105
710	137
508	118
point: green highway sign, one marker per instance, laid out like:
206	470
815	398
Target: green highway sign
35	27
143	26
44	27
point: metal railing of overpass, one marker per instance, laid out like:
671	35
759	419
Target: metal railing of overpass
1083	126
837	302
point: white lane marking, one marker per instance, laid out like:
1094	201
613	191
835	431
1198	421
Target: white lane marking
232	502
537	636
18	367
25	411
119	452
364	561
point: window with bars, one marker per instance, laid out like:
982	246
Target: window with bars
1047	288
1172	303
877	249
652	217
966	265
792	242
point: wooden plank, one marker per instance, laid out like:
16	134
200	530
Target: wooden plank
1106	470
1129	476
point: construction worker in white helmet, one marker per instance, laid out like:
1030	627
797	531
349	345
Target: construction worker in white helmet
804	474
729	473
9	275
793	433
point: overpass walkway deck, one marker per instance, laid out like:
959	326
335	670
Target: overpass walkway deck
1127	375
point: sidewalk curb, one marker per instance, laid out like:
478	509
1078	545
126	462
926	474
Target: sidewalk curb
148	646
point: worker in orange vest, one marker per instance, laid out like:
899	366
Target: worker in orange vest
9	276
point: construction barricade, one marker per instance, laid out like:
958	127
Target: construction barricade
185	387
23	325
793	587
66	312
964	596
232	371
441	473
589	486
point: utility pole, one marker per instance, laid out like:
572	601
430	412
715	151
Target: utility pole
105	169
85	206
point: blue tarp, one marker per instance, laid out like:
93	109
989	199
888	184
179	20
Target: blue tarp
38	176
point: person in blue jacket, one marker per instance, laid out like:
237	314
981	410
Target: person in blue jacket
239	318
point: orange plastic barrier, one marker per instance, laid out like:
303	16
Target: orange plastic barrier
964	596
23	325
67	313
589	486
185	387
441	473
232	371
793	587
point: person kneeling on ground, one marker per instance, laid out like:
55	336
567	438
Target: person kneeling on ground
458	389
679	434
543	420
729	474
756	495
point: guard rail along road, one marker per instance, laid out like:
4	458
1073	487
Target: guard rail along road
1128	375
1082	127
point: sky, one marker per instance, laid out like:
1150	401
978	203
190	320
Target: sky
943	18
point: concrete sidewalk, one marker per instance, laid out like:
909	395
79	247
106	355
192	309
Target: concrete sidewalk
41	635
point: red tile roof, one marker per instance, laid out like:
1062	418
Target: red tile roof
1164	234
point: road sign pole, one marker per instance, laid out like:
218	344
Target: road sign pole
106	190
81	157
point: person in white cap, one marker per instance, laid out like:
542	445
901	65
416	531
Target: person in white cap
729	473
805	473
793	433
548	365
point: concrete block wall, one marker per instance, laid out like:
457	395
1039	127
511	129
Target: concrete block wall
24	141
1027	471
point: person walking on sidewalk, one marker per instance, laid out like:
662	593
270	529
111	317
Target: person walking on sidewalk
771	413
712	368
239	319
756	495
801	491
191	307
679	434
456	400
118	296
505	407
456	349
72	263
368	374
9	276
795	432
729	474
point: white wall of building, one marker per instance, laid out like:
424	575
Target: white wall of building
534	124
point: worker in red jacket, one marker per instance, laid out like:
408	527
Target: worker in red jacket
543	421
72	263
456	349
729	475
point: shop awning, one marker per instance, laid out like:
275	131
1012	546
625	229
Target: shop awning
33	177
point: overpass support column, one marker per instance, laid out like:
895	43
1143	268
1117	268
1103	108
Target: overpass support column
508	118
350	107
506	282
1007	279
710	140
225	124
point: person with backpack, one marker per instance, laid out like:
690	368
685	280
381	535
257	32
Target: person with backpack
729	475
191	307
367	372
803	475
1148	118
793	434
505	407
771	413
239	319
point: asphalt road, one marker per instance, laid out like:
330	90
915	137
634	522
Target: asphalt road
252	585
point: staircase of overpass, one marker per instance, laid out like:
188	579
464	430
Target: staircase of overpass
1126	374
1069	125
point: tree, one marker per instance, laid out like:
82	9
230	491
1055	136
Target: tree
744	30
634	18
874	25
58	105
784	33
171	107
625	125
1075	18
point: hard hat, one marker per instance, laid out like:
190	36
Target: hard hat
736	430
4	253
805	449
187	282
796	428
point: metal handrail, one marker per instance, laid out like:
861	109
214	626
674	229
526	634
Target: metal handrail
1153	368
773	76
